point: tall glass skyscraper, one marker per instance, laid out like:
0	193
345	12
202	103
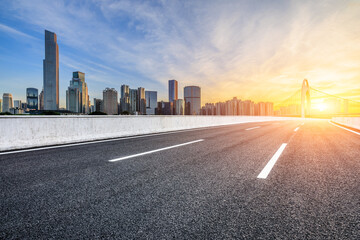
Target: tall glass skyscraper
151	102
192	98
173	90
32	99
77	98
133	96
7	102
125	98
51	72
141	103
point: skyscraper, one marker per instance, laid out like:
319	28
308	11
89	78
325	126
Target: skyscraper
77	99
110	97
98	105
7	102
262	108
141	103
192	97
125	98
17	104
51	72
133	97
179	107
41	100
151	102
269	109
173	90
32	98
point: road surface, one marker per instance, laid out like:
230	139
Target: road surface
270	180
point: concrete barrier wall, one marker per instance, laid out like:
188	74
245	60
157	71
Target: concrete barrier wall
353	122
18	132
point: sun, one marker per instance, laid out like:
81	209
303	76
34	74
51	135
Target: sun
322	107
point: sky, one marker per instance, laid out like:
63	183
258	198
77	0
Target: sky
259	50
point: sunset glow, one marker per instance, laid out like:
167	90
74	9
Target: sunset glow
250	50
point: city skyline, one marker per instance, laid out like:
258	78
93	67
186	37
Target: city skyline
278	63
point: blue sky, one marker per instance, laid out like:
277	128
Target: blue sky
260	50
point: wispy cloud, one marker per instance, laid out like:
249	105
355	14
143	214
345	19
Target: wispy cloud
253	49
14	32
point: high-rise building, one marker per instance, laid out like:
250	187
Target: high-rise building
17	104
173	90
133	96
7	102
192	97
179	107
165	108
41	100
151	102
0	105
262	108
32	102
141	102
110	97
51	72
220	108
269	109
98	105
125	99
77	98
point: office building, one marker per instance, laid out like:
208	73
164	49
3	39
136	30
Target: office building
17	104
208	109
173	90
24	106
51	72
110	97
0	105
141	102
98	105
77	99
133	97
165	108
261	108
124	98
32	102
178	107
192	98
151	102
269	109
220	108
7	102
41	100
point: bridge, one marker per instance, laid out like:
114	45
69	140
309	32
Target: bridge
257	178
313	103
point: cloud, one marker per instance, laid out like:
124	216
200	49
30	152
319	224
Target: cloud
14	32
252	49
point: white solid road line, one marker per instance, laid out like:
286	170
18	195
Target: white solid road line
154	151
265	172
251	128
296	129
344	128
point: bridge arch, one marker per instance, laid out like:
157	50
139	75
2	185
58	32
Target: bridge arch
305	96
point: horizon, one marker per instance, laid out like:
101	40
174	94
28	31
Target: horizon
242	52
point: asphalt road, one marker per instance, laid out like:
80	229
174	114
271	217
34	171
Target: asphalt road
201	184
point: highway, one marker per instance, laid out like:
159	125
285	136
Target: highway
269	180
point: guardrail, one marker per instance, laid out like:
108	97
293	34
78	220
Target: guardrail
18	132
353	122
